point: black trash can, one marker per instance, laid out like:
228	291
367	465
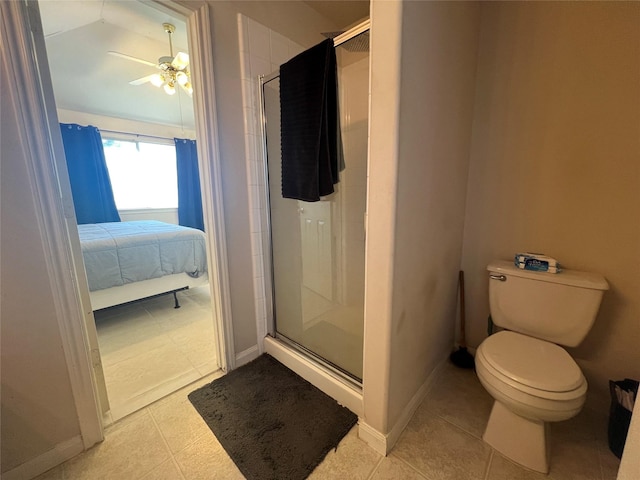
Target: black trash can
619	416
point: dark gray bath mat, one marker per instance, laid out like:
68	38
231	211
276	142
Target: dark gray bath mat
272	423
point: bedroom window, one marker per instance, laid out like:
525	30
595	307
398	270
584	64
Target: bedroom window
143	175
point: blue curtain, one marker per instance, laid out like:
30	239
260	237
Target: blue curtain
90	184
189	197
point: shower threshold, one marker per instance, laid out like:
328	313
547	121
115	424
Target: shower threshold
343	388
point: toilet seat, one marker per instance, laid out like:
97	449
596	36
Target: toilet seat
532	366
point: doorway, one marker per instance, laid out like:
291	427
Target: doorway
147	348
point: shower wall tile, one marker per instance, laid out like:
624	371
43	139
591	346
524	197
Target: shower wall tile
262	52
259	40
294	49
259	272
259	190
251	124
279	49
262	310
262	185
250	153
256	226
259	66
254	166
264	223
258	288
260	176
248	91
254	194
256	242
243	29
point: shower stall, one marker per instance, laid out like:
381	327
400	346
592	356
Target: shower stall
317	249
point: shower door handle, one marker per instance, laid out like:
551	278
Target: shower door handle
501	278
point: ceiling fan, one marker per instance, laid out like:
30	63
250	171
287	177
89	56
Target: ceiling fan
174	70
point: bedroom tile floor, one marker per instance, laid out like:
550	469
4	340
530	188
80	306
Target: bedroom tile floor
150	349
169	441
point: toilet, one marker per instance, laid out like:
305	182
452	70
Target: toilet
532	379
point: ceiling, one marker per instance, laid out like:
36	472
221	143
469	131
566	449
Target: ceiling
79	33
342	13
86	78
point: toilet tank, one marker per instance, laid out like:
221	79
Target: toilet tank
557	307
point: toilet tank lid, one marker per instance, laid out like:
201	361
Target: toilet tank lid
566	277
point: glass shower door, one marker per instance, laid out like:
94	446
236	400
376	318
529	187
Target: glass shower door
318	247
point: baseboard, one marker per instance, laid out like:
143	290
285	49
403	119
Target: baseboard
52	458
412	406
372	437
384	443
247	355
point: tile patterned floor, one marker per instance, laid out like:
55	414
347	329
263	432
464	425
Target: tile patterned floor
168	440
149	349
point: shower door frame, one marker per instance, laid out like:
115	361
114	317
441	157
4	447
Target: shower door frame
328	367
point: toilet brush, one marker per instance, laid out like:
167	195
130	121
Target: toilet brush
461	357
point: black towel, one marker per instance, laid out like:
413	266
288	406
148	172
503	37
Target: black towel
310	124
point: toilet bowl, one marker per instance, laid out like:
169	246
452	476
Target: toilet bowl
533	382
539	378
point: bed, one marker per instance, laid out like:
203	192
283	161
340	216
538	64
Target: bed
127	261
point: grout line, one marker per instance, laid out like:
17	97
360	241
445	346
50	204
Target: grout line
178	468
196	439
166	444
375	468
488	466
410	465
456	425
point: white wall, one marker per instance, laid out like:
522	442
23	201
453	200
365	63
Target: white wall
167	215
38	410
123	125
423	77
555	162
436	104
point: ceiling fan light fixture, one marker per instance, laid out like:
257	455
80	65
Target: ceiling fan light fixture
182	78
170	88
156	80
180	61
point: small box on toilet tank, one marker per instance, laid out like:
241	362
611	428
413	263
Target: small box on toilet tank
536	262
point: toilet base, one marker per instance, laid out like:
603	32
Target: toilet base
522	440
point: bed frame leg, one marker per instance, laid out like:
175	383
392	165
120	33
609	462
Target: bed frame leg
176	304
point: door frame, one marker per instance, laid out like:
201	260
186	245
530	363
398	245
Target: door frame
26	55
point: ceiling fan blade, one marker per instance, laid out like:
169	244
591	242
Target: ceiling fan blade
134	59
180	61
142	80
